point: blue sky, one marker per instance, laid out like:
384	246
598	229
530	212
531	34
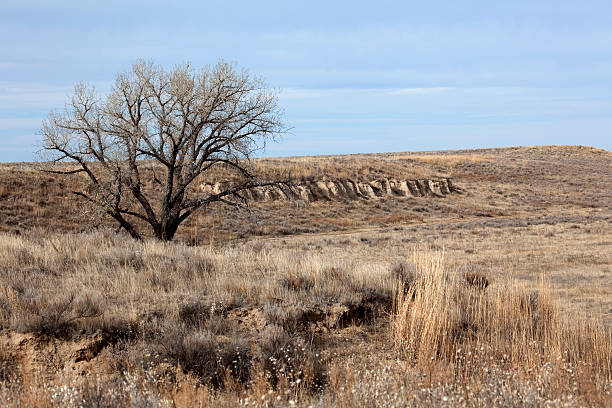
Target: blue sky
356	76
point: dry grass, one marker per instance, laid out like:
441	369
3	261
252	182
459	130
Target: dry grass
60	275
491	298
441	315
162	324
450	160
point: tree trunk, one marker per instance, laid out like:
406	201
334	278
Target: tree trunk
168	228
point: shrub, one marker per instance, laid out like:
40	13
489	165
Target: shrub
211	361
55	316
195	312
5	312
289	317
9	371
123	258
196	353
288	359
236	358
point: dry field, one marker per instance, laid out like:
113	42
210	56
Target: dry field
498	296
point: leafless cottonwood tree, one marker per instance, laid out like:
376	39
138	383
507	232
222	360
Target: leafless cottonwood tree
181	121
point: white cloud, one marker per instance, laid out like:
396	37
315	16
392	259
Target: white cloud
311	93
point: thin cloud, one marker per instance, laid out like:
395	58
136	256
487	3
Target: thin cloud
311	93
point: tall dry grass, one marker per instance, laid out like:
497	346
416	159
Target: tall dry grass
441	315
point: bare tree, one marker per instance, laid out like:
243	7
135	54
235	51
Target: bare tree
183	122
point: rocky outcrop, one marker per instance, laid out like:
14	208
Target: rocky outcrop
344	189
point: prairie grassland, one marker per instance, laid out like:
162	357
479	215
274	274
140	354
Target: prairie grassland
100	319
501	296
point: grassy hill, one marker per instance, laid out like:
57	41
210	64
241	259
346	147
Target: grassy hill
497	294
509	182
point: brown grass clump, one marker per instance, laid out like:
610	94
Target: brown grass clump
297	282
441	317
477	280
405	275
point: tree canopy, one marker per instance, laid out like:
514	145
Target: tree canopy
185	122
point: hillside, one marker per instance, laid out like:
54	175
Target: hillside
514	183
456	278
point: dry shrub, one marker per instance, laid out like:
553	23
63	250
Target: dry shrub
288	360
122	258
195	312
126	355
236	359
5	312
297	282
9	370
55	316
208	315
195	353
337	273
442	314
200	353
140	390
